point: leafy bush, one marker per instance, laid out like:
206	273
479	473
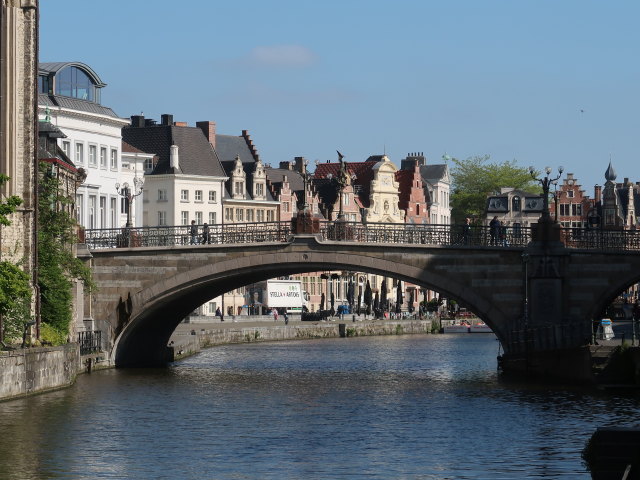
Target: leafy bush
15	300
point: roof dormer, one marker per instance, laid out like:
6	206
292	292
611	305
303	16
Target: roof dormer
238	180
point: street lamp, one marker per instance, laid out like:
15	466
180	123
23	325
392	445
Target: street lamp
546	183
129	194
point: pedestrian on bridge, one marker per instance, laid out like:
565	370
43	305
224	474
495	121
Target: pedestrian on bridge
205	234
494	230
194	232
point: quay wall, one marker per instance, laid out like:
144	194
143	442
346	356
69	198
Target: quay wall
35	370
190	344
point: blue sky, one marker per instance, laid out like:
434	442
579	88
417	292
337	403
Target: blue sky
546	82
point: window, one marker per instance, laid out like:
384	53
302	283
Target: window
162	195
124	205
576	210
103	157
345	199
213	218
113	205
79	208
564	209
198	195
162	218
92	211
239	188
103	212
66	148
228	214
199	218
212	307
269	215
93	154
213	197
148	164
79	154
260	215
239	215
74	82
515	204
569	193
259	189
114	159
285	207
184	218
184	195
249	215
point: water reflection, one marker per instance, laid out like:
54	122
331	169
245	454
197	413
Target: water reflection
380	407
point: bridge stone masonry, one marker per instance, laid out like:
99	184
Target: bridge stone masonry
539	297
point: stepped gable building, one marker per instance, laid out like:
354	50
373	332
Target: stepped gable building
436	182
247	198
187	182
413	193
571	205
69	97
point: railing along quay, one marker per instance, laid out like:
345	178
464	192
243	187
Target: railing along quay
435	235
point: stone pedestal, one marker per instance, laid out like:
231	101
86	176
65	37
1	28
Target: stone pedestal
306	223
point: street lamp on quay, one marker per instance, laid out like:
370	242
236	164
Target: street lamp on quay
546	183
128	193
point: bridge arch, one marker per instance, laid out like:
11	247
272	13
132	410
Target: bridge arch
148	317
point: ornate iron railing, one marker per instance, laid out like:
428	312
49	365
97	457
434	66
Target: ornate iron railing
90	342
436	235
169	236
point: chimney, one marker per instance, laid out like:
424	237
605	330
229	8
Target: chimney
286	166
166	119
180	124
137	121
209	130
597	193
173	158
149	122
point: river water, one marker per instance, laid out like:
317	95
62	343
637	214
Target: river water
396	407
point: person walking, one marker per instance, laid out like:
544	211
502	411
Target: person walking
494	230
194	232
286	318
205	234
275	315
466	231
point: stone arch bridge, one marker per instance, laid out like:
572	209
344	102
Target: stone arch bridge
537	296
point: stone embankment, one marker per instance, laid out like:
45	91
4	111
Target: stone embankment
36	370
189	339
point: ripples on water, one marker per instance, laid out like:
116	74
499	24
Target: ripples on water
406	407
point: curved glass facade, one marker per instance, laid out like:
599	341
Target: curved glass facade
74	82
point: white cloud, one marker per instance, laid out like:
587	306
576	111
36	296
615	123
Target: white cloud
281	56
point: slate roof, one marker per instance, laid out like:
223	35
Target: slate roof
195	153
75	104
228	146
276	176
433	173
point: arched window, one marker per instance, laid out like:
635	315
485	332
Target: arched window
74	82
515	204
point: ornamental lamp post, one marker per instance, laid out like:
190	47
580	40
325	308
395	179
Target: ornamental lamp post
129	194
546	183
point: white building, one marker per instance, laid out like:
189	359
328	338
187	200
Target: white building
69	97
187	182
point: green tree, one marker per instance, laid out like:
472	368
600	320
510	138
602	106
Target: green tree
477	177
15	287
57	264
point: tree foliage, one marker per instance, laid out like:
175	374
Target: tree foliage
477	177
57	265
15	300
15	286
